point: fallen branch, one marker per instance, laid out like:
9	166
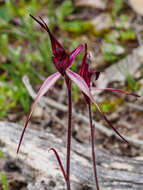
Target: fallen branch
114	172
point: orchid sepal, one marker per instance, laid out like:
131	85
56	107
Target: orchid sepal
117	90
74	54
46	86
80	82
62	59
59	162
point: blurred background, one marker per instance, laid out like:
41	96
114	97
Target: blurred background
113	30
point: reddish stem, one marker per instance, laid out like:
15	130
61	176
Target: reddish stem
68	83
61	167
92	145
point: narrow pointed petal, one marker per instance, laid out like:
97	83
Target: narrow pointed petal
118	90
48	83
79	81
84	67
115	130
60	163
74	54
54	42
108	122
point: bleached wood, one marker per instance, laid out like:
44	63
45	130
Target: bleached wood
120	173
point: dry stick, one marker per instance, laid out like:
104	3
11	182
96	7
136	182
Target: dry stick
85	119
134	106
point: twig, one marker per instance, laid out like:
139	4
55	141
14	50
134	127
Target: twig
85	119
134	106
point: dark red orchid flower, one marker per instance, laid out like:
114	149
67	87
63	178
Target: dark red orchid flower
63	61
61	58
87	74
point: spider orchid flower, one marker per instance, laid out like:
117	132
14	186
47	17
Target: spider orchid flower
62	60
87	75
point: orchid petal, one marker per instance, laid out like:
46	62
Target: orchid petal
74	54
60	163
118	90
115	130
48	83
108	122
80	82
54	42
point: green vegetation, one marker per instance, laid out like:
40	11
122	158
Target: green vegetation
1	154
25	51
4	181
117	7
3	178
17	60
75	26
109	105
132	84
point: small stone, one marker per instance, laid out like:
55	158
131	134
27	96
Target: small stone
113	48
137	6
99	4
102	22
38	112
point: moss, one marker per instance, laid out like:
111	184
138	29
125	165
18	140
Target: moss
109	106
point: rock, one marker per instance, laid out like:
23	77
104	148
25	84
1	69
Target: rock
122	173
99	4
119	71
102	22
137	6
38	112
112	48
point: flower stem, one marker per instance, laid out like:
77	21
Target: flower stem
92	145
69	131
